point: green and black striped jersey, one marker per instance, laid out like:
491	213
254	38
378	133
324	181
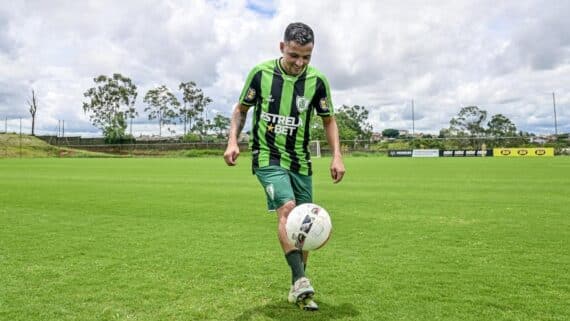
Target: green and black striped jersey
283	106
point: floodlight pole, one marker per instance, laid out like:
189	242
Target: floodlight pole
555	122
413	121
20	137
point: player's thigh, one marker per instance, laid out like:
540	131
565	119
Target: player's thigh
276	184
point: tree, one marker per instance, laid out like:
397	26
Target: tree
194	104
501	126
202	124
162	105
317	130
344	123
347	127
110	103
391	133
468	122
221	123
187	112
353	123
33	108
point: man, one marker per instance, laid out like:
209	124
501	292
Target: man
285	93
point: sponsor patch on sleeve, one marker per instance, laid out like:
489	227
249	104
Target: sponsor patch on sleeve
251	94
323	105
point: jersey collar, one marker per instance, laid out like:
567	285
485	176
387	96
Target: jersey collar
284	74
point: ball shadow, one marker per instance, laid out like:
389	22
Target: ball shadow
284	311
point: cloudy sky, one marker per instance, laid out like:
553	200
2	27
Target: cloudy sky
505	56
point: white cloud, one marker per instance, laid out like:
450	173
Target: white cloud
505	57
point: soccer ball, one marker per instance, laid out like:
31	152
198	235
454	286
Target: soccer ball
308	227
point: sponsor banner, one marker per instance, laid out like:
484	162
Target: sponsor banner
523	152
400	153
425	153
465	153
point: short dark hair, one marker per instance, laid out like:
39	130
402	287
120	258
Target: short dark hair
300	33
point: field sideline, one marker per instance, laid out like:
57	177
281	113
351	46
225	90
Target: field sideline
189	239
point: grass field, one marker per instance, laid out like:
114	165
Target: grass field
26	146
189	239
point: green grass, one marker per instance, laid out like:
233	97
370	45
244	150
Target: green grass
26	146
189	239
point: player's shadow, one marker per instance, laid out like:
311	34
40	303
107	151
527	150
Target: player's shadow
284	311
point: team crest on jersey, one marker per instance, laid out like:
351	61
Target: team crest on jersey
323	104
302	103
250	96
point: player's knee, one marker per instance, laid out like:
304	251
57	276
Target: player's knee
287	208
284	210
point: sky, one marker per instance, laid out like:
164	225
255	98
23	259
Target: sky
506	57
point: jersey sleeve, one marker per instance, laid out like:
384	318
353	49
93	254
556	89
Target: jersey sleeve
251	92
322	101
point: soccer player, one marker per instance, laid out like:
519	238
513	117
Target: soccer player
285	93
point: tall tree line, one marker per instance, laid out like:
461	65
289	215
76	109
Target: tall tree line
111	103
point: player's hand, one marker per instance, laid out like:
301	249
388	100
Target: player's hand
337	169
231	154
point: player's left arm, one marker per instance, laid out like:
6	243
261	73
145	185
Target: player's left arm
337	165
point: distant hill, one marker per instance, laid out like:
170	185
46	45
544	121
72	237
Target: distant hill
12	145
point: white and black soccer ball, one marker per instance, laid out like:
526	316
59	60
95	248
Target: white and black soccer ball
308	227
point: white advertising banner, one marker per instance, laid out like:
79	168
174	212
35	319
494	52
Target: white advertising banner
425	153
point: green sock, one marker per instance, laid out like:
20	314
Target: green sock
295	261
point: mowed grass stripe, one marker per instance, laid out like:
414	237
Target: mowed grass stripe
190	239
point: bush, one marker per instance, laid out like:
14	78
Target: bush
192	138
204	153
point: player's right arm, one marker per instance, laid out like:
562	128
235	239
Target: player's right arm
249	97
239	117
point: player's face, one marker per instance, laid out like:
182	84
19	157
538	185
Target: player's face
295	56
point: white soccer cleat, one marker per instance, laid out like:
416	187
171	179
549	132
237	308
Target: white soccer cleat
300	291
308	304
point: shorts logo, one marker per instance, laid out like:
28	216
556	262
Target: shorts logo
323	104
250	96
302	104
270	191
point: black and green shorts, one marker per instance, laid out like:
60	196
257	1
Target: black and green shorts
282	185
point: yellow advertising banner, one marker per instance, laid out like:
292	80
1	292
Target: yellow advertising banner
523	152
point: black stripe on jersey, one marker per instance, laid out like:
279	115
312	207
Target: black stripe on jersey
276	88
320	93
307	138
298	91
256	84
320	90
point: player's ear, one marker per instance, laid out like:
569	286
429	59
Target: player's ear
281	46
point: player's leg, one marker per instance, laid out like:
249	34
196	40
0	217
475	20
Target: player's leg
280	197
303	190
282	214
